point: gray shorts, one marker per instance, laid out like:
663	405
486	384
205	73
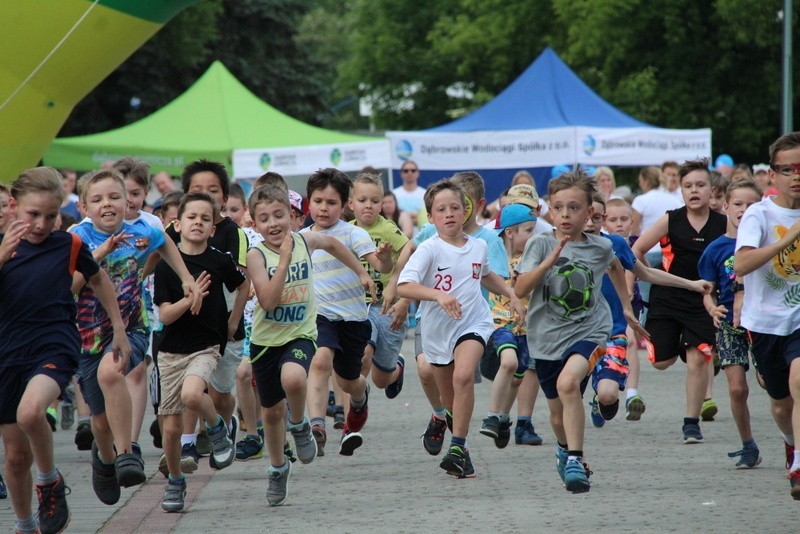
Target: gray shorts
224	377
384	340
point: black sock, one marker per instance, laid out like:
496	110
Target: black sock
578	454
562	445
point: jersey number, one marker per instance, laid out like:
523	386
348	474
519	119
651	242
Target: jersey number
443	282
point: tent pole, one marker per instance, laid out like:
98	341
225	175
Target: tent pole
787	108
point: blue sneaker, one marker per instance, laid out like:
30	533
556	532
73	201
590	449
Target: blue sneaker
749	458
597	417
526	435
561	462
692	434
576	478
3	490
249	448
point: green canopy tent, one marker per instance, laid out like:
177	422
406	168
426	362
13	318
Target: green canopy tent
214	117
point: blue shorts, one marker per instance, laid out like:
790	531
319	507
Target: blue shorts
384	340
548	371
87	370
614	365
347	339
501	339
14	381
269	362
772	356
733	346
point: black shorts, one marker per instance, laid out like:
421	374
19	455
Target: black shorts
671	336
347	339
548	371
772	356
14	381
268	364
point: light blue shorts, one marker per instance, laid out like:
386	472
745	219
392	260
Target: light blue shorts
384	340
224	378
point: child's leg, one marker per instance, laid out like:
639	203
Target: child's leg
194	397
246	395
501	387
575	369
275	432
632	353
172	426
467	354
137	386
607	391
739	391
321	369
527	393
118	406
794	388
696	381
429	383
557	419
293	381
39	393
443	378
18	461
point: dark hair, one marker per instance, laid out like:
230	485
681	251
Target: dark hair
396	215
719	182
136	170
783	143
447	184
577	178
598	197
271	178
329	177
203	165
651	176
171	199
195	196
670	164
691	165
236	191
266	194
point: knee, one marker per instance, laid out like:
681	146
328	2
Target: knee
738	391
556	420
275	414
781	410
663	366
172	426
321	365
28	416
293	382
424	369
137	375
18	460
508	365
607	398
463	378
191	398
567	386
244	375
108	375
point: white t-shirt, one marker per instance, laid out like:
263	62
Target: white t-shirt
652	206
457	271
772	292
410	201
677	195
340	295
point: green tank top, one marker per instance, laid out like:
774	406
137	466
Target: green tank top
295	317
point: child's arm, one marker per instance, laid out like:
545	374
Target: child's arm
415	291
14	234
381	259
651	237
99	254
104	291
169	312
390	290
616	273
335	248
191	289
495	283
529	280
738	302
268	289
242	295
748	259
716	312
662	278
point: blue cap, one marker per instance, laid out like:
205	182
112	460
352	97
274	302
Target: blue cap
723	159
514	214
558	170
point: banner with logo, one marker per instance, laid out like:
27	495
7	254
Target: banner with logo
304	160
519	149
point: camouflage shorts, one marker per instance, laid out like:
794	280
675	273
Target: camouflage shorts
733	345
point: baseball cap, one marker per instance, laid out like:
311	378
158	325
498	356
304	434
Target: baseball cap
514	214
723	159
523	194
296	201
760	167
558	170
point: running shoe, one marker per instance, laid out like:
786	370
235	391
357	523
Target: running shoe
433	438
692	434
709	410
67	415
503	435
320	436
597	417
222	452
526	435
288	451
233	430
203	444
491	426
469	469
155	431
52	416
53	514
338	418
576	478
305	443
394	389
174	495
3	489
130	470
350	442
278	484
448	416
634	408
260	429
189	458
84	436
357	417
789	449
162	465
455	461
748	458
104	479
249	448
794	481
331	404
561	462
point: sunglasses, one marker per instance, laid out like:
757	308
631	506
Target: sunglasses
410	170
786	170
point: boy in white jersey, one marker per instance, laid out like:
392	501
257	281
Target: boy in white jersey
284	326
343	329
446	273
767	250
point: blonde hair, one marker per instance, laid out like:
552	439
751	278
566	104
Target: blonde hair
265	195
89	179
577	178
38	180
369	178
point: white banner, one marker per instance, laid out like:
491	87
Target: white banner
304	160
516	149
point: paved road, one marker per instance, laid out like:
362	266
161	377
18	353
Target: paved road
645	479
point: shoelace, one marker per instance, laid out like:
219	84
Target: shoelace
436	430
48	499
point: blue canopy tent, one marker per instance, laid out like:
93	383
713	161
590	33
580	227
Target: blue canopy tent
548	116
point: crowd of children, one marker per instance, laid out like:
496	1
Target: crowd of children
260	303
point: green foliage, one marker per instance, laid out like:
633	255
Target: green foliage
775	282
792	297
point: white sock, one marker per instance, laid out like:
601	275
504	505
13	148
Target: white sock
188	438
788	438
631	392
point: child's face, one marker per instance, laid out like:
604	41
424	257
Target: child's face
447	213
366	203
618	220
740	200
273	221
297	220
136	195
106	205
196	224
208	183
717	201
570	210
40	211
325	206
235	209
6	213
788	186
170	214
518	235
696	190
595	222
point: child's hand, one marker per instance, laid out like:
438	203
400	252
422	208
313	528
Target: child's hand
399	313
121	350
519	309
551	259
389	298
703	287
738	302
196	291
449	304
14	234
717	313
368	284
287	246
111	244
384	253
633	322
